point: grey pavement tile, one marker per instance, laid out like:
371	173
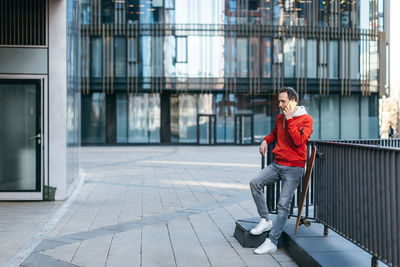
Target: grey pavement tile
40	260
64	253
187	248
125	249
50	244
214	242
93	252
156	246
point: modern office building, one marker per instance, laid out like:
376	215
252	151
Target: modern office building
207	71
39	98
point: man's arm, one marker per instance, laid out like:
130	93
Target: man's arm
267	140
300	134
271	137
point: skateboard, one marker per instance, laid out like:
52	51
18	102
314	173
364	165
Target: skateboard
306	182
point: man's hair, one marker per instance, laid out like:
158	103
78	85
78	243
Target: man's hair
292	94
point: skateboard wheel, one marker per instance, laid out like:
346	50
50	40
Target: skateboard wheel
307	223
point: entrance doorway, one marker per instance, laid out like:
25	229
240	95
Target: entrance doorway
243	129
206	129
21	139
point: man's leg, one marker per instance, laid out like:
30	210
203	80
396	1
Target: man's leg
268	175
290	177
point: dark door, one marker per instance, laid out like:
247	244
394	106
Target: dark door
243	129
206	129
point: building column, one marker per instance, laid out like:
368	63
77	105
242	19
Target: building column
57	100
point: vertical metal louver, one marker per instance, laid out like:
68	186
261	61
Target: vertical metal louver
23	22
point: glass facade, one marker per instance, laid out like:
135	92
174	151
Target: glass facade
74	74
227	62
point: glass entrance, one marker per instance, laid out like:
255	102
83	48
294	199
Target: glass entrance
20	135
243	129
206	129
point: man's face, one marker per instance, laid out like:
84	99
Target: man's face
283	100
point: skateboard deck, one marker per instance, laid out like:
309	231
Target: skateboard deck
304	189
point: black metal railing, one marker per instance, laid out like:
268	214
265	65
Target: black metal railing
355	191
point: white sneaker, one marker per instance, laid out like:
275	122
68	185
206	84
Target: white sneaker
261	227
266	247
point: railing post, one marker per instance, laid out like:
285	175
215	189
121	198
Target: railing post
374	261
325	231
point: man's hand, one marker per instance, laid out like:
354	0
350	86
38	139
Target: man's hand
288	112
263	147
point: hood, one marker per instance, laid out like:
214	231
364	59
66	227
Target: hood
300	110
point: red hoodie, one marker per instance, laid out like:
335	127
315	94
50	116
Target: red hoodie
292	137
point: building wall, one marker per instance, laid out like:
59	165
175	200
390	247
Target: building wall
327	48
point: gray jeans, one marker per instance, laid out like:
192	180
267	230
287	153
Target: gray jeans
290	177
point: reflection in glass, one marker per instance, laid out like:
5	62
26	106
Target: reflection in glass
369	117
206	104
144	118
333	60
254	60
107	11
262	117
311	59
17	150
96	57
373	66
122	118
350	117
266	52
181	49
230	57
120	57
93	118
355	60
329	117
311	103
242	57
322	59
289	57
225	112
206	129
187	118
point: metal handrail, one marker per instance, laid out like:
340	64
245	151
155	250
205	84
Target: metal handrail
355	191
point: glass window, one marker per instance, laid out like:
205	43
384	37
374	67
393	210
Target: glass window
322	59
333	60
93	118
230	57
364	117
278	12
122	118
96	58
277	57
181	49
205	104
364	14
261	117
344	53
373	117
244	104
132	11
355	60
120	57
107	11
187	118
330	117
254	57
266	50
350	117
174	115
225	111
242	57
300	58
374	66
146	55
144	118
154	118
311	58
169	4
85	12
289	47
311	103
132	50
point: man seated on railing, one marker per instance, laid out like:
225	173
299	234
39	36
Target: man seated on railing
292	131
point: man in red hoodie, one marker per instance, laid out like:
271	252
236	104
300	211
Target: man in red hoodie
292	131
